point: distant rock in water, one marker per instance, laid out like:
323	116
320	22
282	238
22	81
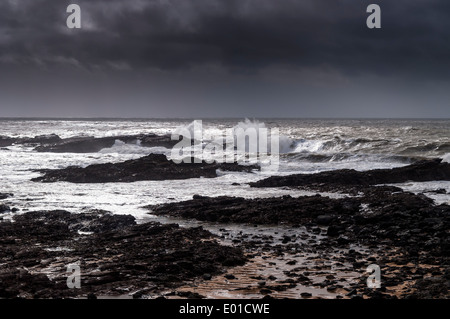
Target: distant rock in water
6	141
40	139
151	167
94	145
428	170
5	195
86	144
4	208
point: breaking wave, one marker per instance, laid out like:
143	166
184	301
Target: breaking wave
446	158
336	144
121	147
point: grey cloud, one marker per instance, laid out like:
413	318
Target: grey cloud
242	35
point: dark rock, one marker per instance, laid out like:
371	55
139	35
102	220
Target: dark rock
6	141
438	191
334	230
41	139
119	253
190	295
151	167
288	210
428	170
94	145
324	219
4	208
207	277
351	293
5	195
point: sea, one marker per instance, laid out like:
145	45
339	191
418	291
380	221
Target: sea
307	146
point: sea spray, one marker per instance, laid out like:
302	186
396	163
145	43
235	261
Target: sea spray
446	158
247	143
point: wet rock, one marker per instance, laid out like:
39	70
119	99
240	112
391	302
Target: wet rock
265	291
7	141
151	167
190	295
40	139
438	191
119	253
207	277
284	210
427	170
4	208
5	195
94	145
334	230
261	283
324	219
351	293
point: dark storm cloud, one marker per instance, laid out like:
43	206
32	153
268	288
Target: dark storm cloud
240	35
195	58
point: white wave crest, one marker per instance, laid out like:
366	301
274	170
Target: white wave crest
121	147
310	146
446	158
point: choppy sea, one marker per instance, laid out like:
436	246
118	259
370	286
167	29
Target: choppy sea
307	146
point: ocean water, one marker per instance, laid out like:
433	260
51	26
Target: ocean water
307	146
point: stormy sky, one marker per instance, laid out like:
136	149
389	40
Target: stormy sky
225	58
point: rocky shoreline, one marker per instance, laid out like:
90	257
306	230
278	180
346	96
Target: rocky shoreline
407	234
279	247
116	256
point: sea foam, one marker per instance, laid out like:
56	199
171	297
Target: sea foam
446	158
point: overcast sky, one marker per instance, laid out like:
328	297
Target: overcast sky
225	58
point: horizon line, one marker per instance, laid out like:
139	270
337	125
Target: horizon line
214	118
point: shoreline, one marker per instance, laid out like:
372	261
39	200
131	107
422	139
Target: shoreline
303	247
